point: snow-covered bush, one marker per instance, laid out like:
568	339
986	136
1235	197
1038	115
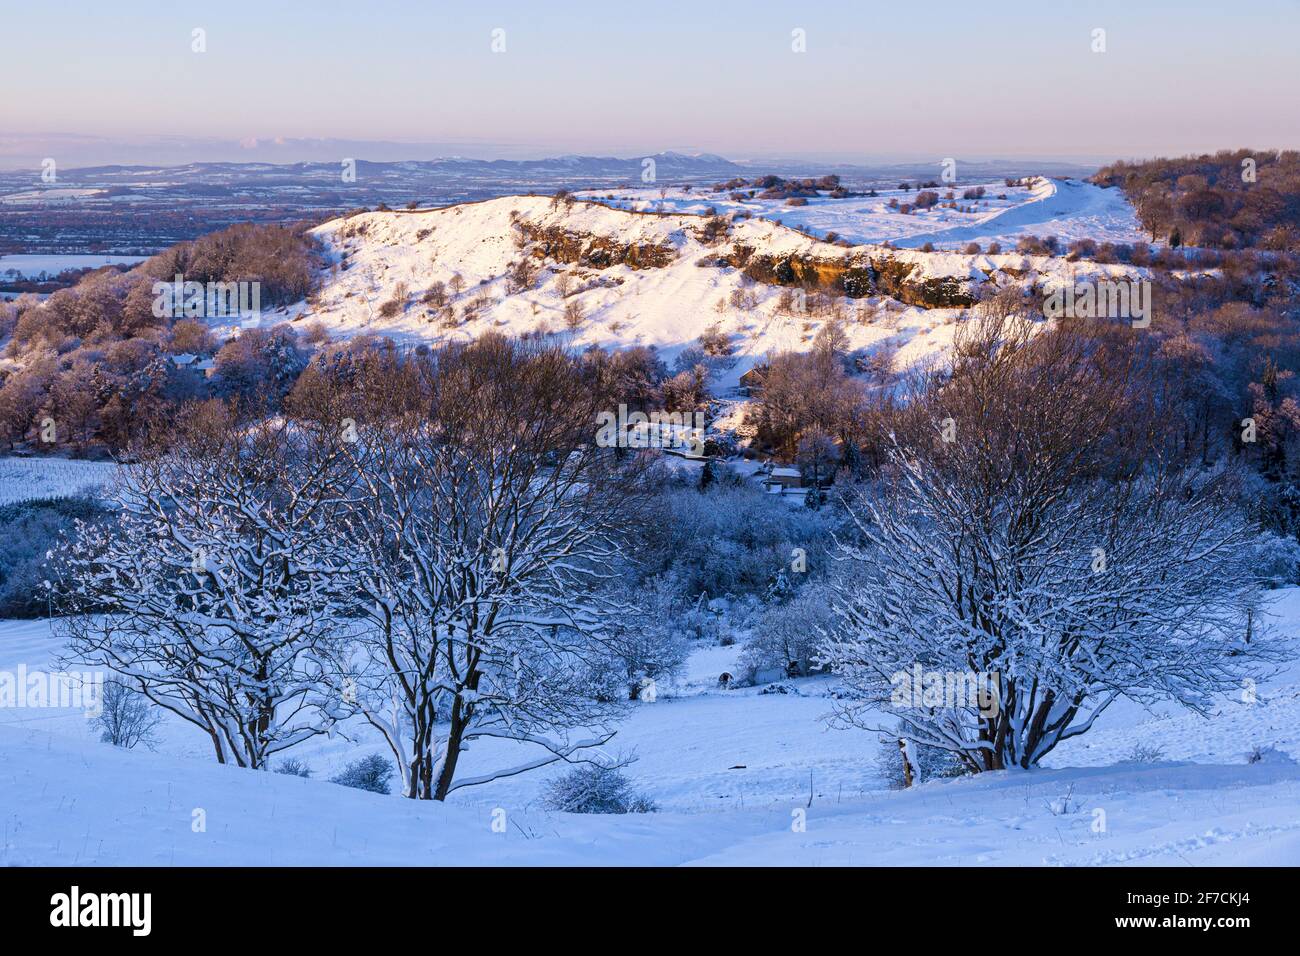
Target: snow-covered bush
293	767
1145	753
212	585
28	532
649	644
1279	560
790	633
371	773
732	538
592	788
714	341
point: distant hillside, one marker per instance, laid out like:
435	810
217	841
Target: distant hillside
528	265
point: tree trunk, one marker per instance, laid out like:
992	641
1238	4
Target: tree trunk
909	771
454	738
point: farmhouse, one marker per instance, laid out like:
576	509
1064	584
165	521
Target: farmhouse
751	382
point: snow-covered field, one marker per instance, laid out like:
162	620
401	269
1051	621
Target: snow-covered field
34	266
61	194
1066	208
740	776
29	479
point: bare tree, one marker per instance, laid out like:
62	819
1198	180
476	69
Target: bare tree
127	718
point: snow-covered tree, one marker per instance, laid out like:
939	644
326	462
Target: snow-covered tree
1049	548
651	643
486	514
210	595
790	633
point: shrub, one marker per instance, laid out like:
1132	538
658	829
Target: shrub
27	532
650	648
788	634
315	333
591	788
731	539
573	314
436	295
521	275
715	342
713	229
1145	753
397	304
369	773
746	300
293	767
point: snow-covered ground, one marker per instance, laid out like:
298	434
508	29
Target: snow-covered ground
740	776
1066	208
28	479
57	195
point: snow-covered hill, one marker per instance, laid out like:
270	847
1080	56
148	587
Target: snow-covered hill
629	277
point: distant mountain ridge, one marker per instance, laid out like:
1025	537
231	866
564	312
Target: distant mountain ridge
581	169
567	169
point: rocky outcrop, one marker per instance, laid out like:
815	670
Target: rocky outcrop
854	276
598	252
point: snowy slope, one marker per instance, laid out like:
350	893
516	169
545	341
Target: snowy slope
732	771
26	479
76	803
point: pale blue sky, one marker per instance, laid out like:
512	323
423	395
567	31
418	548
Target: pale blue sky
940	78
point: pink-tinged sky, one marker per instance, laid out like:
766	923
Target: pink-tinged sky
877	79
